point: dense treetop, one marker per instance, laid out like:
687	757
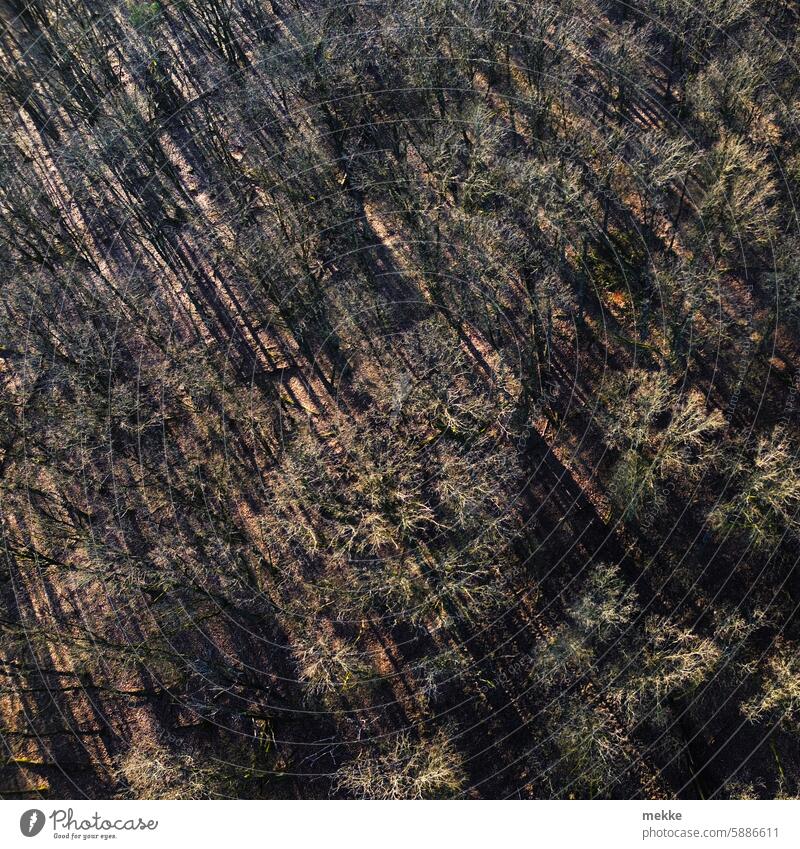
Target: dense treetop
399	399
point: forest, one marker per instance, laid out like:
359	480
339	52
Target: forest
399	399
